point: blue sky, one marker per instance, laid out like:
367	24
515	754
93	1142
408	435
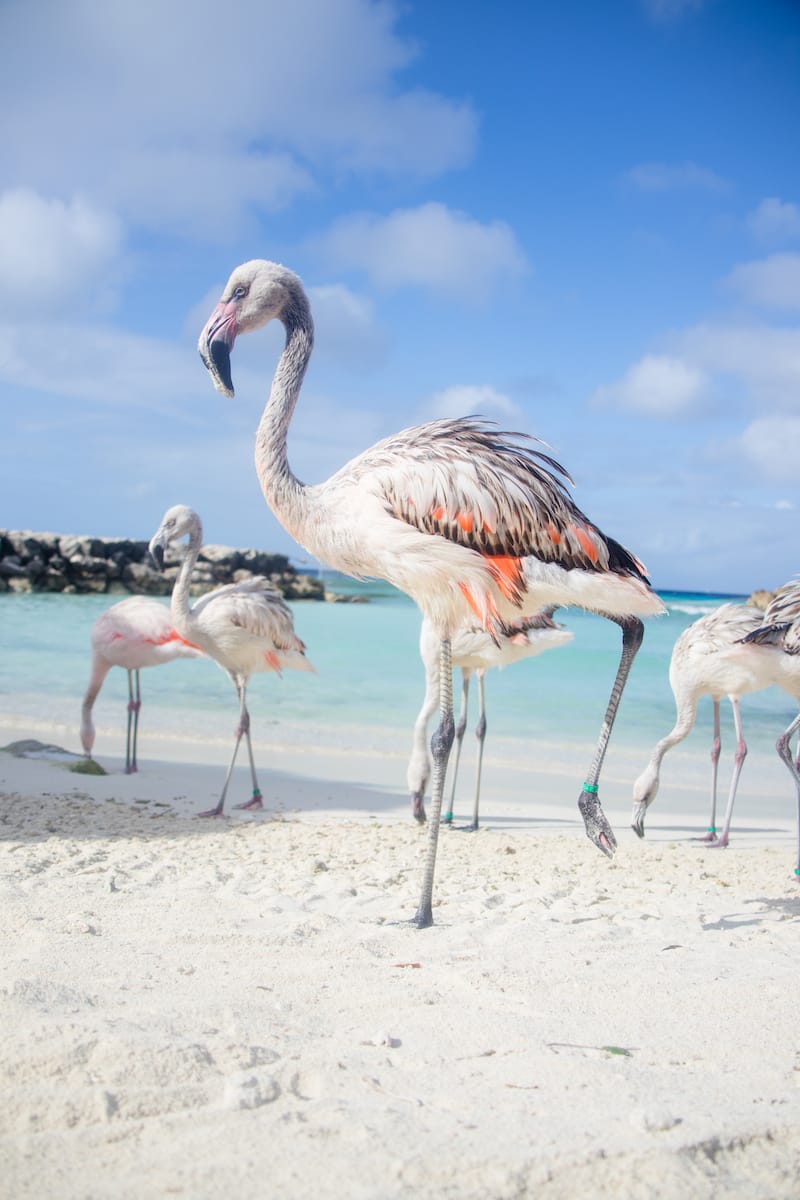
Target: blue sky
580	219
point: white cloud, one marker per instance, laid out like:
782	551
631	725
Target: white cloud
190	119
663	177
775	220
462	400
772	446
658	386
52	252
765	359
346	327
150	188
773	282
98	364
431	247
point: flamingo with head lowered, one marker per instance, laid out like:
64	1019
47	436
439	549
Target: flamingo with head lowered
135	633
473	523
245	627
704	662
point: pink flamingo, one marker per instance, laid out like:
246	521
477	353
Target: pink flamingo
475	652
471	522
245	627
135	633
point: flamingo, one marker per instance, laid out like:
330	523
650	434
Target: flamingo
779	636
711	657
471	522
245	627
473	650
135	633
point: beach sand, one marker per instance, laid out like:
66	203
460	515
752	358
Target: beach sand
240	1008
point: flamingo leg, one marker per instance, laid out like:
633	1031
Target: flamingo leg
441	744
256	801
598	829
447	819
782	746
738	761
134	704
241	728
480	734
716	748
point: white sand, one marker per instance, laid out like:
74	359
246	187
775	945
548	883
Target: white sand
237	1008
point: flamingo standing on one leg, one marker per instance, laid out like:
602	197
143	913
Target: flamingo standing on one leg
474	651
244	627
135	633
706	660
779	636
468	521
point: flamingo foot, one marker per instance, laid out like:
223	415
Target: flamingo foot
719	843
708	838
252	805
423	918
212	812
598	829
418	808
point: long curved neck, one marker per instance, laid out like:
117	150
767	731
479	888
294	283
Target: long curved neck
684	724
282	490
179	603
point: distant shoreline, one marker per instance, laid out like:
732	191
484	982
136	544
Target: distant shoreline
53	562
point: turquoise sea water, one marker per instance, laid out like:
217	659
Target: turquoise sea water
369	680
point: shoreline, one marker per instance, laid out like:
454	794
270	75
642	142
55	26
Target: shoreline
528	786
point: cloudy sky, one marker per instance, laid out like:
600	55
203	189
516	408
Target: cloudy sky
579	219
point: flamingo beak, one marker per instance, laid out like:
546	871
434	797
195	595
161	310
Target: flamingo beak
156	552
215	345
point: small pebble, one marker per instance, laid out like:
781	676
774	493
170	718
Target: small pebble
653	1120
245	1090
383	1039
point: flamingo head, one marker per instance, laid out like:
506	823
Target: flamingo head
256	293
645	790
176	522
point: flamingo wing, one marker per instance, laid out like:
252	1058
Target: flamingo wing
255	607
492	492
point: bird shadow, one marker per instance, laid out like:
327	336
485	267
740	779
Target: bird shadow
787	908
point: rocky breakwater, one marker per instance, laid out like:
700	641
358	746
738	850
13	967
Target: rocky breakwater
53	562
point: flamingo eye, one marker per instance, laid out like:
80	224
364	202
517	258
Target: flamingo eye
239	292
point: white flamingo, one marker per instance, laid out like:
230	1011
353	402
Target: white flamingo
468	521
475	652
778	635
709	659
245	627
135	633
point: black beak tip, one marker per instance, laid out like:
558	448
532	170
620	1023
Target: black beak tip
156	555
217	359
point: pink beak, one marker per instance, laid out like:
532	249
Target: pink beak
215	345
